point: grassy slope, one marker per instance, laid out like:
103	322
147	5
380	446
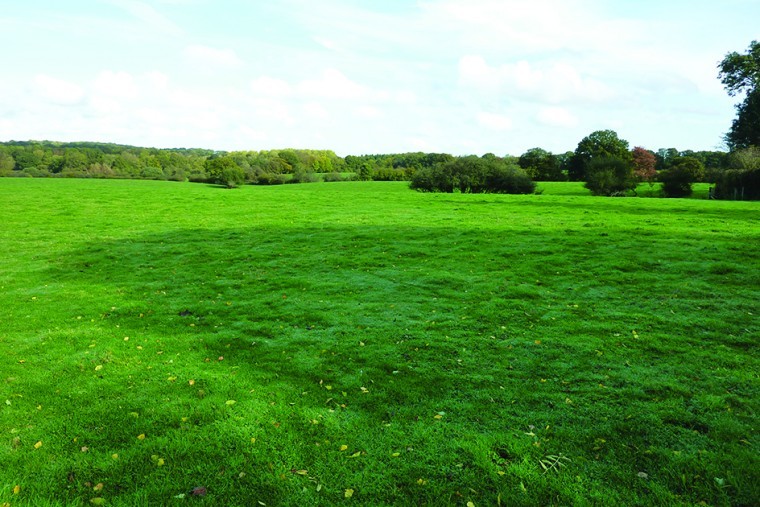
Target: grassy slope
452	341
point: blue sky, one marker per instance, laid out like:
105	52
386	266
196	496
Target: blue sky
455	76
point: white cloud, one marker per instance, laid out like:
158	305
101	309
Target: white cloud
554	83
204	55
315	110
149	15
368	112
494	121
57	91
115	84
332	84
270	87
557	117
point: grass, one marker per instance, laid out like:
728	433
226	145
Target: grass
362	344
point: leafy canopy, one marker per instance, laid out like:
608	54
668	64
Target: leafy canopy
740	73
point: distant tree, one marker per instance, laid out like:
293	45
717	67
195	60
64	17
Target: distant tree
602	144
644	163
610	176
541	165
740	73
224	171
665	157
7	162
474	175
677	181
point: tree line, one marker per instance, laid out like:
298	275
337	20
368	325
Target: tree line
598	158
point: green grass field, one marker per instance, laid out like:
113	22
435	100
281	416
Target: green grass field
362	344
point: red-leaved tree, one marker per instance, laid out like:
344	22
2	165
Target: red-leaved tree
644	163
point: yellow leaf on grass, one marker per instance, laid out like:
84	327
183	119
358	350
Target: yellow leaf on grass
98	487
302	472
396	454
253	440
438	416
16	489
191	382
38	444
160	462
230	402
141	436
343	447
470	504
98	501
99	367
349	493
114	456
356	454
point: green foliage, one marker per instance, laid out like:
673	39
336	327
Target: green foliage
474	175
740	73
610	176
224	171
742	182
541	165
602	144
677	181
301	176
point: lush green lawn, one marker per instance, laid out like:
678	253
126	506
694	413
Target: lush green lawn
360	343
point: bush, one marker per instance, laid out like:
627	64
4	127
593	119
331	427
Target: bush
301	176
738	184
332	177
270	179
610	176
224	171
677	181
473	175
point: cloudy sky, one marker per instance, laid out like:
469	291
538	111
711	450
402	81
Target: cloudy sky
370	76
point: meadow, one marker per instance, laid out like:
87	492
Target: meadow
359	343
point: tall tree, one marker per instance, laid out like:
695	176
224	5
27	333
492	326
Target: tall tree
541	165
644	163
740	73
600	144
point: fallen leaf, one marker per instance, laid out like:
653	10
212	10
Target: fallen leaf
470	504
437	416
230	402
319	488
198	491
114	456
16	489
343	447
99	367
98	501
396	454
349	493
38	444
356	454
191	382
85	448
141	436
301	472
98	487
253	440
